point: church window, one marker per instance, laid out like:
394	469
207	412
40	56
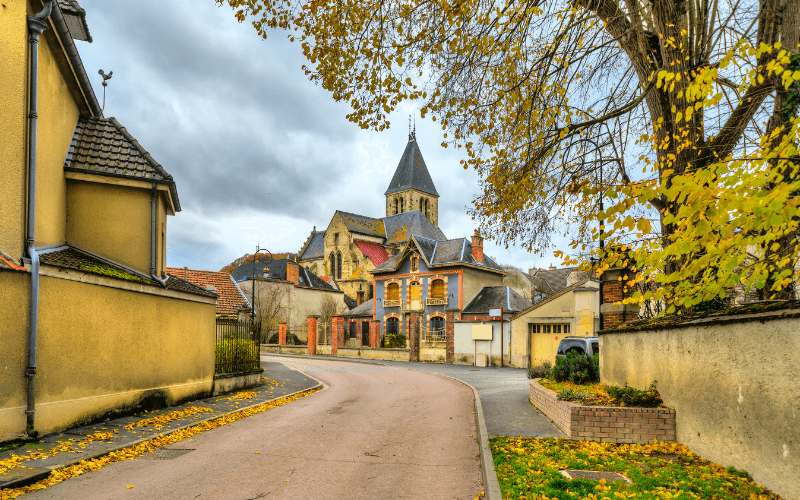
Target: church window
339	266
370	292
426	207
333	266
336	239
396	206
393	291
402	207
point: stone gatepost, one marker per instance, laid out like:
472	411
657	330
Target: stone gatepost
615	289
375	334
312	334
413	335
449	335
337	331
281	333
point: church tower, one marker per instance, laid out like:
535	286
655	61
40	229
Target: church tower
412	187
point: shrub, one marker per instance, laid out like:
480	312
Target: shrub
628	396
396	340
234	355
577	368
542	370
573	396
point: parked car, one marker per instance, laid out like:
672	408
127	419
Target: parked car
588	346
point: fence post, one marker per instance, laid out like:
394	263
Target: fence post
312	334
413	335
281	333
449	337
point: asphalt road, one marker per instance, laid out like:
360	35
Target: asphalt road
375	433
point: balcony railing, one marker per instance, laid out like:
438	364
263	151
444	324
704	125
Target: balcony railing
437	301
412	304
391	303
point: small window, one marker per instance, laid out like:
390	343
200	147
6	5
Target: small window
414	264
336	239
566	328
556	328
353	330
546	329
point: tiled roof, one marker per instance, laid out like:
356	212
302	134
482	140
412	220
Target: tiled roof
362	224
411	172
315	248
277	270
441	253
556	279
7	263
376	253
230	297
75	17
69	257
365	309
400	227
491	297
103	146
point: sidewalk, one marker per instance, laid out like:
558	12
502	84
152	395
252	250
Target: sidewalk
96	440
504	394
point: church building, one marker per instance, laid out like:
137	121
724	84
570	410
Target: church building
353	245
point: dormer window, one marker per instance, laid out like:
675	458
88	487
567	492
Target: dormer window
414	264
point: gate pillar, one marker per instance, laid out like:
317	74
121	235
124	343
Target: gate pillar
312	334
413	335
281	333
449	337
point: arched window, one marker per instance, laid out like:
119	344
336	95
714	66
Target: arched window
437	289
402	207
437	323
426	207
339	266
370	292
414	264
415	291
396	206
392	326
393	291
333	265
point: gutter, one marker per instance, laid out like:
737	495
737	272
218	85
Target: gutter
153	238
36	26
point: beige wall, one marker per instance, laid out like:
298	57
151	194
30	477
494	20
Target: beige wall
579	309
475	279
297	303
100	348
113	221
734	388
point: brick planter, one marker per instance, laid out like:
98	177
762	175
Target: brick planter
607	424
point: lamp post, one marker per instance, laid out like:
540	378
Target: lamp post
253	295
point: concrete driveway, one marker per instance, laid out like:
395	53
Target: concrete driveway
376	432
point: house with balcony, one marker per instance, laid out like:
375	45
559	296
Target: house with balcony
429	279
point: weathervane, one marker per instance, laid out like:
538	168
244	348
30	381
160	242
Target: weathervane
106	77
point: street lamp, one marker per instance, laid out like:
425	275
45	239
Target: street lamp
253	295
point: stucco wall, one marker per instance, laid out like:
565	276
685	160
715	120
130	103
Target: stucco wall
113	221
101	348
297	303
734	388
464	348
475	279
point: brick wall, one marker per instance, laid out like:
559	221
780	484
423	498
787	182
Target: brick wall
292	272
337	333
413	335
312	334
449	336
282	333
607	424
374	334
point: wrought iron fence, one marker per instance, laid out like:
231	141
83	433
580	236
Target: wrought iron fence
433	338
237	349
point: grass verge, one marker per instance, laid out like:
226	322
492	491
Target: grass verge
529	469
131	452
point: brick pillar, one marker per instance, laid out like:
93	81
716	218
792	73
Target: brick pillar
312	334
282	333
374	334
449	337
413	335
293	272
337	334
613	283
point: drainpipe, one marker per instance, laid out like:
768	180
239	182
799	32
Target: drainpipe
36	26
153	239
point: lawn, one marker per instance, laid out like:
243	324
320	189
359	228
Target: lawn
529	469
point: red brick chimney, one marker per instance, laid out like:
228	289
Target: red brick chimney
477	246
359	297
292	272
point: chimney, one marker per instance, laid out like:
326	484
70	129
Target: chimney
292	272
477	246
532	271
552	267
359	297
186	273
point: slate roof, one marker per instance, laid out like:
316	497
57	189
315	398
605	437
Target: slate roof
315	248
362	224
411	172
75	18
70	257
400	227
365	309
230	297
374	252
491	297
277	270
350	302
554	279
103	146
440	254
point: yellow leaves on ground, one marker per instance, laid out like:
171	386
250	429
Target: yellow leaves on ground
129	453
162	420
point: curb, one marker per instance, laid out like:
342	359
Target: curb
25	481
490	483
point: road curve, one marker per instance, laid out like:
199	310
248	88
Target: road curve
375	433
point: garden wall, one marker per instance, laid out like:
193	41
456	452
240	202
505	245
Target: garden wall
607	424
734	381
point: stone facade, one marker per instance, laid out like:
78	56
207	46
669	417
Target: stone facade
413	199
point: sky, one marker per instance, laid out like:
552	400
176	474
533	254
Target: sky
260	154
